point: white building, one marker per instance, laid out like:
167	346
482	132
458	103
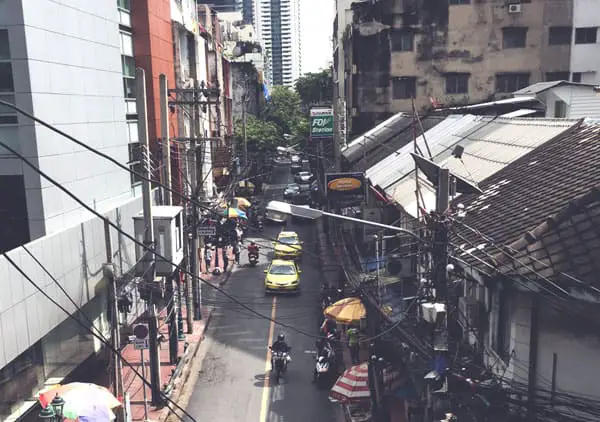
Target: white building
277	23
585	47
63	63
564	99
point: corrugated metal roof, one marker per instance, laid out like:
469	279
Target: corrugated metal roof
490	144
398	164
520	113
376	136
537	88
397	141
505	101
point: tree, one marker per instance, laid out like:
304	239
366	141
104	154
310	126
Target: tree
283	109
315	88
262	135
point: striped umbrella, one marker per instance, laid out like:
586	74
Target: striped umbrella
352	386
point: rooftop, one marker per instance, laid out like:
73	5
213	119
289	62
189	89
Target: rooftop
529	208
487	145
540	87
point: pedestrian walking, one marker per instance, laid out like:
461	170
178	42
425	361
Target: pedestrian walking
225	253
208	254
240	233
353	345
237	250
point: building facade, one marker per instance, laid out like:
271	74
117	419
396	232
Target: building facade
465	52
72	71
277	23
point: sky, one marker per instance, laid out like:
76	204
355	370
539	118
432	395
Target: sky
316	26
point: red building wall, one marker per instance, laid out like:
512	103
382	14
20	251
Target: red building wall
153	51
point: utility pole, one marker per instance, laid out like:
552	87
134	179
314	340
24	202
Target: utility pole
172	321
244	129
149	258
109	273
196	187
164	133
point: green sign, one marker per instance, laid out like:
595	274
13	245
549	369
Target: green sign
321	123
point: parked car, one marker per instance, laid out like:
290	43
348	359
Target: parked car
303	177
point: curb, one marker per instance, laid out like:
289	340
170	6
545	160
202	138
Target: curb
185	375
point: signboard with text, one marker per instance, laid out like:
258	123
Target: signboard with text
321	123
345	187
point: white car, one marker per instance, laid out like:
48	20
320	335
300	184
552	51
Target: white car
303	177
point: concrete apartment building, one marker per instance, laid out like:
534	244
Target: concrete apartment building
277	23
463	52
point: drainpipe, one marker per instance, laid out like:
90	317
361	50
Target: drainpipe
533	356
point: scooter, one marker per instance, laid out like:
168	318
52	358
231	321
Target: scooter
322	369
279	362
253	259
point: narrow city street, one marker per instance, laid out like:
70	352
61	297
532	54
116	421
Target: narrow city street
232	385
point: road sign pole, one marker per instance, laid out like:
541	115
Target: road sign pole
144	385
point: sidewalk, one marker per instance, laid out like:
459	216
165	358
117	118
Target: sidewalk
187	350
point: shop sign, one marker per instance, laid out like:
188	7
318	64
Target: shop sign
345	186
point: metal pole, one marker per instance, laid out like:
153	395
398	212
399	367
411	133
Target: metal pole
244	130
196	187
172	320
149	259
144	385
441	235
164	133
109	273
377	257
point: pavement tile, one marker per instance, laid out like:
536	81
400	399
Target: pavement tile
133	384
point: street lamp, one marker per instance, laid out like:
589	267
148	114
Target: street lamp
313	214
54	411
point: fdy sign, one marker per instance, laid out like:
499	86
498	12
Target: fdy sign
321	123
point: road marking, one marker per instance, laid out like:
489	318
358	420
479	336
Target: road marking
264	406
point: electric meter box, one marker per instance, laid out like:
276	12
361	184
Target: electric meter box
168	238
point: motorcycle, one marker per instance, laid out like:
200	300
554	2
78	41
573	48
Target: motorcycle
253	259
322	368
279	362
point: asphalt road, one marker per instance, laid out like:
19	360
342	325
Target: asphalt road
233	384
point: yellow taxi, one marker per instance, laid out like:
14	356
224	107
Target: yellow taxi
282	276
288	246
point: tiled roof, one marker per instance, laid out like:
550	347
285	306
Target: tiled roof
520	197
564	249
490	144
397	165
395	142
379	135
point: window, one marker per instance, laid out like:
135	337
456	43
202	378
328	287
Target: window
560	109
557	76
560	35
7	115
128	65
402	40
136	162
576	77
6	77
404	88
586	35
124	4
129	87
501	337
457	2
126	44
4	47
457	83
514	37
511	82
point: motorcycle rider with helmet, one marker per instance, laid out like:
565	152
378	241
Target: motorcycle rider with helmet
253	249
280	346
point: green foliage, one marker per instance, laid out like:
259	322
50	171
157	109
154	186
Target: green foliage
316	88
283	109
262	135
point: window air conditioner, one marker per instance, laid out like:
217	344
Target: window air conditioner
514	8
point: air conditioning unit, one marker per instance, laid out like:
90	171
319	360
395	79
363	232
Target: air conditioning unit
514	8
354	112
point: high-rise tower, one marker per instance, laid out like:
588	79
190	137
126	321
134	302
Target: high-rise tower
277	23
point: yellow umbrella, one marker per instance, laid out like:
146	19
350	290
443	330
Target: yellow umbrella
346	311
242	202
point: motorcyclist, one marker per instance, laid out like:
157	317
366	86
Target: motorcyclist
253	249
280	346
